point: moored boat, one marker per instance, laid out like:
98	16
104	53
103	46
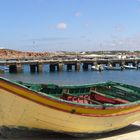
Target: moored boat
130	67
97	68
4	68
81	109
113	68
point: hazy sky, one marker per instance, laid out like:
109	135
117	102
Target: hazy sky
70	25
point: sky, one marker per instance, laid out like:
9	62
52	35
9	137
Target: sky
70	25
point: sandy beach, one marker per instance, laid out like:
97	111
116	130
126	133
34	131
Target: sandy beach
131	132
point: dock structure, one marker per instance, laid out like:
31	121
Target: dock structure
16	66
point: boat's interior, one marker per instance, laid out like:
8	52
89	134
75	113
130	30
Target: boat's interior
105	93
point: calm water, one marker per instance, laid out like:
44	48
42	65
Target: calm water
76	78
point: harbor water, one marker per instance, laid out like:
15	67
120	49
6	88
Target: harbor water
74	77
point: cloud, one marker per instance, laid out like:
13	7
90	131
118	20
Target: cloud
61	26
47	39
119	28
126	43
87	25
50	38
78	14
120	43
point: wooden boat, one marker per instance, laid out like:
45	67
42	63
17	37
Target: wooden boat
84	109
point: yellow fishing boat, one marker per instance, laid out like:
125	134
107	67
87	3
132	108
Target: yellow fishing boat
82	109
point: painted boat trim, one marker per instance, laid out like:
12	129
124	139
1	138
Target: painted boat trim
108	112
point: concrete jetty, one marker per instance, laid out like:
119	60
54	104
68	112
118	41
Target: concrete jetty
36	65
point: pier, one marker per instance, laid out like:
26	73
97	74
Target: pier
16	66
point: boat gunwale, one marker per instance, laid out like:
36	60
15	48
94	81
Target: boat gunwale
117	110
95	106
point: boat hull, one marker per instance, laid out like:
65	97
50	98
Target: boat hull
130	67
20	106
113	68
17	111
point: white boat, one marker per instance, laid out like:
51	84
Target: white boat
4	68
129	67
113	68
97	68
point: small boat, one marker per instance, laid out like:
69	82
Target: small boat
131	67
113	68
4	68
74	110
97	68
